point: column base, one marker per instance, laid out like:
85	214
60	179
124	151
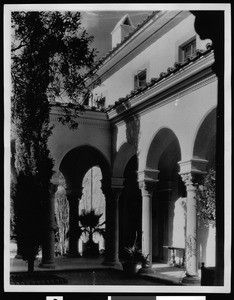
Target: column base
47	265
146	271
191	280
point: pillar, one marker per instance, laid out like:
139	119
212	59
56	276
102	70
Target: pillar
147	181
210	24
190	171
73	197
112	193
49	230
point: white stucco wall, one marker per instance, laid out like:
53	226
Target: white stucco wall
93	130
183	116
157	57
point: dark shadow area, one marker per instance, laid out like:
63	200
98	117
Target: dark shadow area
130	206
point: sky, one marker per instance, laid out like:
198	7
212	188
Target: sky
101	23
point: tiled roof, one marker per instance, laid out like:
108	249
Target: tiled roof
154	81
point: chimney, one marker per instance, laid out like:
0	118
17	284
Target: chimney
121	30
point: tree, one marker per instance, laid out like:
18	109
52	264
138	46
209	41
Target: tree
89	225
51	55
206	198
62	219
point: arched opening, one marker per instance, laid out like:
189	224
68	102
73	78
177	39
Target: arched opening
93	199
168	204
205	148
77	167
123	156
130	208
168	210
204	145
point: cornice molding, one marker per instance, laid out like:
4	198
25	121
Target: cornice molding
82	120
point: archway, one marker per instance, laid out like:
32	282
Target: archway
130	208
74	166
126	151
205	148
93	199
204	145
168	211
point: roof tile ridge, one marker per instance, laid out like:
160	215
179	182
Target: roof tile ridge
170	70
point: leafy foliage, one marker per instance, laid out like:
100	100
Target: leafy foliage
12	210
62	220
133	253
206	198
89	221
50	54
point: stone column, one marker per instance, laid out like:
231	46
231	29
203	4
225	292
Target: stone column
73	197
147	181
190	172
191	227
48	234
112	194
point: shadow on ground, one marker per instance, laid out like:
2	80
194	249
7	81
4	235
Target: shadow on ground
83	277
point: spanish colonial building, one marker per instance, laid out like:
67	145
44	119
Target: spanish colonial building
150	127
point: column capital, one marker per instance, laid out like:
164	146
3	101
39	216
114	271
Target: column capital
147	180
194	165
192	179
147	187
117	183
191	171
148	175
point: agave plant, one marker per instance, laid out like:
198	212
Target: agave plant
133	253
145	260
90	223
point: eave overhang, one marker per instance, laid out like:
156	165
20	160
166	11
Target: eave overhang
155	26
168	88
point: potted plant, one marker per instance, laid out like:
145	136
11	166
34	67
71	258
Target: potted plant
90	224
131	258
145	265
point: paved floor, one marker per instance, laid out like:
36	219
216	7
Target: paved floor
104	277
91	271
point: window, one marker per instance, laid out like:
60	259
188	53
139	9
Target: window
140	79
187	49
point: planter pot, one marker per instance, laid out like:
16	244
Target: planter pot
146	270
90	249
129	268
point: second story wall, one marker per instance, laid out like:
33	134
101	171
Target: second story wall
155	55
